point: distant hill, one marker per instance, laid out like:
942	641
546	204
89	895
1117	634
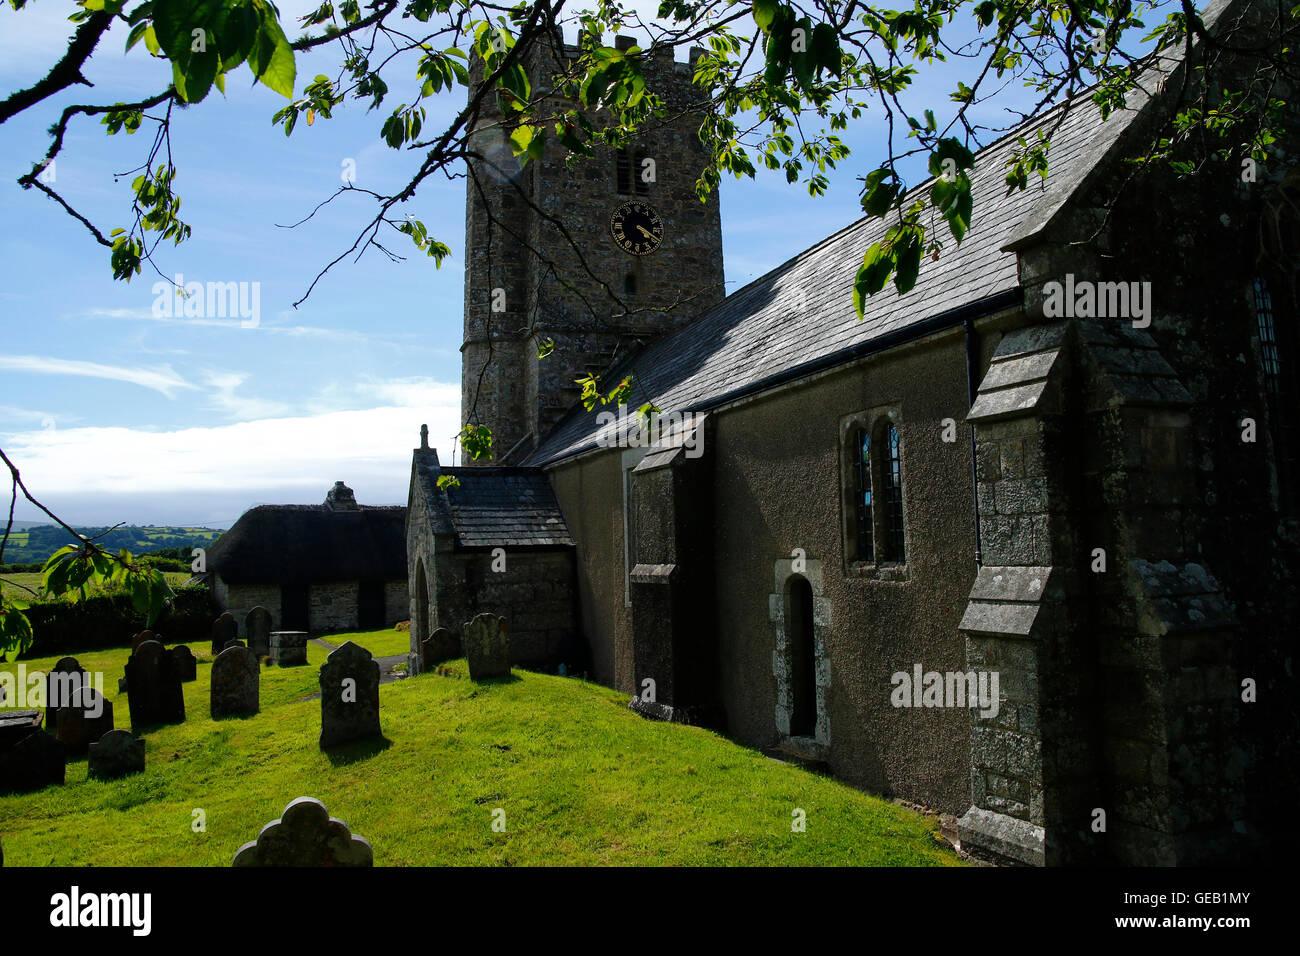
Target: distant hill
31	542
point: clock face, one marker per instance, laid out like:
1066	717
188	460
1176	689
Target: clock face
637	228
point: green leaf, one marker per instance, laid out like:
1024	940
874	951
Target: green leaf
877	264
764	12
271	58
908	263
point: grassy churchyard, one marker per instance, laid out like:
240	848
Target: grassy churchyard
581	780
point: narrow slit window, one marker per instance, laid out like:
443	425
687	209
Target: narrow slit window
892	469
629	284
862	494
623	172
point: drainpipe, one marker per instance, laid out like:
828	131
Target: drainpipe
972	358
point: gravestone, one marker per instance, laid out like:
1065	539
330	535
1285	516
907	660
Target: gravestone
77	727
257	625
153	687
305	835
349	696
63	686
183	661
121	685
441	645
487	647
37	760
17	724
145	635
116	754
224	630
289	648
235	677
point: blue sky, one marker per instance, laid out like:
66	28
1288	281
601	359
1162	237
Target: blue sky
116	415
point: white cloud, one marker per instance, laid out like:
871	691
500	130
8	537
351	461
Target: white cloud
289	460
160	379
225	398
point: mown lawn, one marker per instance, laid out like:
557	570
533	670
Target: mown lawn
582	781
383	643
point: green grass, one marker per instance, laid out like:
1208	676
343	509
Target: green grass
384	643
582	780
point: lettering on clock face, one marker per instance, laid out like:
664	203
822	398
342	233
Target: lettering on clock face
637	228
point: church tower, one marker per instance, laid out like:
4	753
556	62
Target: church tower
648	257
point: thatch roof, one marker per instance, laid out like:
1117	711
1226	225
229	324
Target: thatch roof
277	544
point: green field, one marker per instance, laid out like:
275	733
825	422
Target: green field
581	779
37	543
383	643
25	582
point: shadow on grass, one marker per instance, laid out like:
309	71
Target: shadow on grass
489	681
341	755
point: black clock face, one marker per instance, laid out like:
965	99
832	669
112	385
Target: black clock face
637	228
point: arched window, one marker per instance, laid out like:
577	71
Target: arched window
892	484
863	516
629	284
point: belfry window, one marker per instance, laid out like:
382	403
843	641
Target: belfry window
627	174
1267	334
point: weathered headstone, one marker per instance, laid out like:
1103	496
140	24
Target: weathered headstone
138	639
441	645
153	687
36	761
63	684
257	626
289	648
183	661
116	754
77	727
235	680
306	835
224	630
487	646
121	685
349	696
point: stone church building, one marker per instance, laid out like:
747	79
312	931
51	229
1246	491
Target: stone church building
1019	546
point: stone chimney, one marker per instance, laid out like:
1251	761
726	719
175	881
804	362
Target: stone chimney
341	498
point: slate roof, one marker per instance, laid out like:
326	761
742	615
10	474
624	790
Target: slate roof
800	317
494	507
277	544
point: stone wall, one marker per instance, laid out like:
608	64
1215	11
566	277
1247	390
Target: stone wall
239	599
332	605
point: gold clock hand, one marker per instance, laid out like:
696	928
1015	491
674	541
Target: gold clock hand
645	232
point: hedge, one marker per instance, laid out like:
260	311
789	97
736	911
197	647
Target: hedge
61	627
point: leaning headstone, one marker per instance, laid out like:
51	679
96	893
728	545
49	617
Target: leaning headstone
116	754
487	647
183	661
224	630
441	645
138	639
77	727
235	677
36	761
63	684
306	835
349	696
153	687
257	626
289	648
